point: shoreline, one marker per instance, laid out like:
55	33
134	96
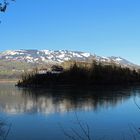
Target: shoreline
78	86
8	80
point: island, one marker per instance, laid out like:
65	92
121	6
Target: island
81	74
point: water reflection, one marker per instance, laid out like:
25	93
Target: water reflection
14	100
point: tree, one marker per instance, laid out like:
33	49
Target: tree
4	4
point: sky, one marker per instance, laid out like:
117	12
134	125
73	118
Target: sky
102	27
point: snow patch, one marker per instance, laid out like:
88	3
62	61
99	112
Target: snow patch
61	55
76	54
86	54
50	57
10	52
118	59
36	59
47	52
43	58
66	58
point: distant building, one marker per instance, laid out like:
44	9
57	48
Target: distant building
43	71
56	69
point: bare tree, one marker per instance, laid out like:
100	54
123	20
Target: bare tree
4	4
4	129
74	135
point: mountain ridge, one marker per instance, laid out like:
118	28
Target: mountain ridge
59	56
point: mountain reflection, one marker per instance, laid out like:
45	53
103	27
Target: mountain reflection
61	100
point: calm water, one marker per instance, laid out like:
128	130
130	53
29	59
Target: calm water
57	114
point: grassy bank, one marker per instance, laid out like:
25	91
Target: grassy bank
8	80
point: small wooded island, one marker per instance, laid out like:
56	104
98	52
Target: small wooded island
82	73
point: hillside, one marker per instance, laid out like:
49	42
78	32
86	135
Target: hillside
14	62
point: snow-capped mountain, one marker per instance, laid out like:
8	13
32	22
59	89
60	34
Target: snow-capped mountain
48	56
35	56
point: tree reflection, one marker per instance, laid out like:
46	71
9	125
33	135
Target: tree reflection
65	99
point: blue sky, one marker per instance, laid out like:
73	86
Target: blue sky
103	27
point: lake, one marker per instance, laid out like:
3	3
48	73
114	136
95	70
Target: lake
65	113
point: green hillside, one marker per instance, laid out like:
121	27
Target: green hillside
13	69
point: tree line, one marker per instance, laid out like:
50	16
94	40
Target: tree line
82	74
